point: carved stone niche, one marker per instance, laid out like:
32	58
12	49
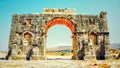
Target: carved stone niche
27	36
92	37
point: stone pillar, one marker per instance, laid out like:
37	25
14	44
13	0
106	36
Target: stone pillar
80	44
74	48
104	44
44	45
107	47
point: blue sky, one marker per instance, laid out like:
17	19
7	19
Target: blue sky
9	7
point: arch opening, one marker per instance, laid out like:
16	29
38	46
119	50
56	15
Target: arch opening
66	23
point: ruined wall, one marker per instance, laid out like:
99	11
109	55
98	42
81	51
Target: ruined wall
28	35
92	35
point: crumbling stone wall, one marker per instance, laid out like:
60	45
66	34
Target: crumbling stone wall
28	34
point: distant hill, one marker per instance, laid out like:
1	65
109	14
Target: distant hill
68	48
60	48
115	45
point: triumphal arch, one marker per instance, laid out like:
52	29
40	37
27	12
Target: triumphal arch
29	32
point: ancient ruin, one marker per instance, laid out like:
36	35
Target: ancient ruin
29	31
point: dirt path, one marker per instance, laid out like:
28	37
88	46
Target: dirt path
59	64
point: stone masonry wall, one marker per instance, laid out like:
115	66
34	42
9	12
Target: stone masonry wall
28	36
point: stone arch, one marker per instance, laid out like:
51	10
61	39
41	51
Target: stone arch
60	20
28	32
25	24
67	23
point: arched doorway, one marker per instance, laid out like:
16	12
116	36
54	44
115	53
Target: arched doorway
67	23
59	43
